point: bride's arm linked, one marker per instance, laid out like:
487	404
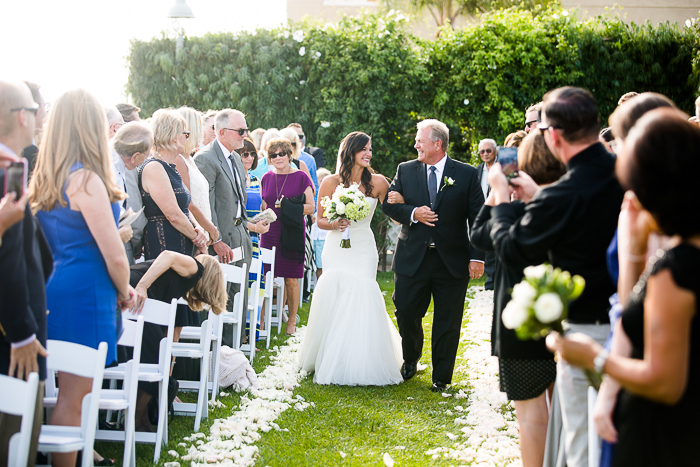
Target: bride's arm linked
395	207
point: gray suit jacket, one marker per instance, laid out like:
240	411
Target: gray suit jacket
133	246
223	196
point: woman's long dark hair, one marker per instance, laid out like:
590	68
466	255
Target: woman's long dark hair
351	145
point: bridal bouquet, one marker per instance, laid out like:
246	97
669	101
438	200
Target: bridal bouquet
540	302
346	203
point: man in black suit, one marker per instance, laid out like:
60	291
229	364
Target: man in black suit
25	264
488	151
432	257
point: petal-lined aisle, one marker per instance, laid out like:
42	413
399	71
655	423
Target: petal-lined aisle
487	420
231	441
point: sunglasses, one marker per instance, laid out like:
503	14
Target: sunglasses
544	127
275	155
241	131
33	110
486	151
186	133
294	145
301	136
246	155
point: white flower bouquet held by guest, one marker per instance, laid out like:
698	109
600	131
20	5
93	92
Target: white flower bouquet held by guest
540	302
346	203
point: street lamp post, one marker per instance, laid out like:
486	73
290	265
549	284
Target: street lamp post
179	10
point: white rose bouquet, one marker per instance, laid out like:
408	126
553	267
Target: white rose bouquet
346	203
540	302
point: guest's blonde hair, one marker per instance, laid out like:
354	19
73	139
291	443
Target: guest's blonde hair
210	289
167	126
76	131
193	118
294	140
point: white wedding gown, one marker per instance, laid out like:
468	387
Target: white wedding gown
350	339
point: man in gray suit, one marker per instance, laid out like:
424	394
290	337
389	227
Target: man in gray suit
223	169
131	146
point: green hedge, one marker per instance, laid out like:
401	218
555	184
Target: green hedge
370	74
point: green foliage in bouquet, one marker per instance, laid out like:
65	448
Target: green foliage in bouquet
541	301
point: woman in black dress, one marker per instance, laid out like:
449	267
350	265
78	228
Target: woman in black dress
166	200
172	275
657	411
526	368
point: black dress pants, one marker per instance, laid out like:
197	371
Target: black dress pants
412	297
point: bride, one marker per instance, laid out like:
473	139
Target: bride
350	339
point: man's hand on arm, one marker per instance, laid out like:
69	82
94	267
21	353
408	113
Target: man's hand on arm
476	269
23	359
424	215
223	251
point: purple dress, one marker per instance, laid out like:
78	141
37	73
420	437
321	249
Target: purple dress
290	185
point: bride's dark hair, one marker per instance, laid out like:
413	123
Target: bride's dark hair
351	145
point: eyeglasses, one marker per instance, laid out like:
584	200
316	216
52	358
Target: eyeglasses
246	155
241	131
294	145
33	110
275	155
486	151
212	127
186	133
544	127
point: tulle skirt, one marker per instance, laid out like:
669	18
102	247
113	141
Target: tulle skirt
350	339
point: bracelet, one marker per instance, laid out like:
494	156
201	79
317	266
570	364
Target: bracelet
333	224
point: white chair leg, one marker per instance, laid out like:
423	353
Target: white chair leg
203	392
161	431
215	370
129	437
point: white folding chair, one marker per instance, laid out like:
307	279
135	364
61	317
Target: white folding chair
593	438
195	333
236	275
125	398
272	284
162	314
198	350
253	304
18	397
82	361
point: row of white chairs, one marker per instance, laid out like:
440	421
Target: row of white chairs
19	397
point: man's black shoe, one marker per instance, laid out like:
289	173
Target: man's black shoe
408	370
439	386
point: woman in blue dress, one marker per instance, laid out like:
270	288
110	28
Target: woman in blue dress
249	157
75	197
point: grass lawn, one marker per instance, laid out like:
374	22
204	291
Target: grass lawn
363	422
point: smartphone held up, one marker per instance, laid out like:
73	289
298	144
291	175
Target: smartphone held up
508	158
16	178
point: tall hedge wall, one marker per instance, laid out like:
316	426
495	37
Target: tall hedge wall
370	74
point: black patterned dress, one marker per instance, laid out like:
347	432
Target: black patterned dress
161	235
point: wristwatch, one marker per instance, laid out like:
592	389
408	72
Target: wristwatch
600	359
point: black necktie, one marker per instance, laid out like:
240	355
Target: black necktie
235	183
432	185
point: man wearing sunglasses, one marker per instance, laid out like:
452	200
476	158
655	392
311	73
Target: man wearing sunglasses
568	224
533	116
223	168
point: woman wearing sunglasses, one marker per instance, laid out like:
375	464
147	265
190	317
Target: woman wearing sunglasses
166	200
289	193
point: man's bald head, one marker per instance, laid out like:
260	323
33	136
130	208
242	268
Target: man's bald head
16	122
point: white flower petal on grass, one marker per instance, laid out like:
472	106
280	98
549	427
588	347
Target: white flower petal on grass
421	366
388	461
514	315
548	307
446	394
399	448
174	454
342	454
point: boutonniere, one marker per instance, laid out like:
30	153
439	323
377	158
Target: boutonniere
449	181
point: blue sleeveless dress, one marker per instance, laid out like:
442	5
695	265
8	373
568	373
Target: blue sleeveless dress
80	296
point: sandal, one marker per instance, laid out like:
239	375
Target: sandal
104	461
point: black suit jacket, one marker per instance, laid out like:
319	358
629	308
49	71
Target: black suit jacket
456	206
30	153
317	154
25	265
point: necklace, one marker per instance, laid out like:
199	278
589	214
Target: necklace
278	203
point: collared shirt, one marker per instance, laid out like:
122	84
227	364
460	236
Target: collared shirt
120	175
30	339
568	224
227	156
485	180
439	169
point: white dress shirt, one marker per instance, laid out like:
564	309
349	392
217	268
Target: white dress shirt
227	155
439	169
485	181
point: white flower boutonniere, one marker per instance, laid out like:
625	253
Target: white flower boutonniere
449	181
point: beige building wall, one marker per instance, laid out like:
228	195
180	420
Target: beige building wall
639	11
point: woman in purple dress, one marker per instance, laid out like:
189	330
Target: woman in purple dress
287	191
